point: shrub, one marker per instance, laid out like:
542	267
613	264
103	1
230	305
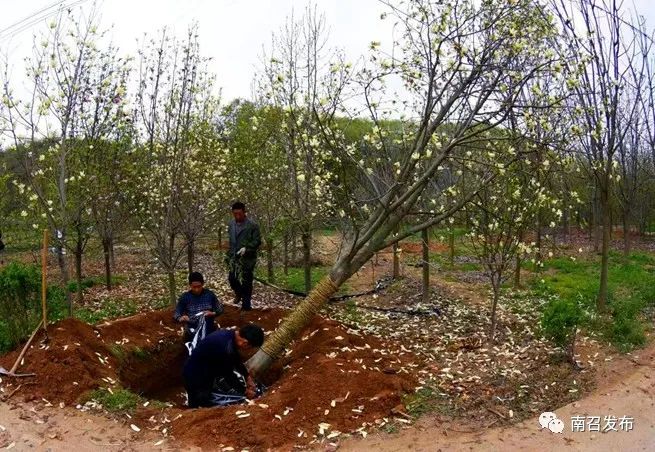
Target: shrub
20	303
559	323
627	330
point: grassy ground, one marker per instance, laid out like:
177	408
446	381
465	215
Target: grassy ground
631	284
295	279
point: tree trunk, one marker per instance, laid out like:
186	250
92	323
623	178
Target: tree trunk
494	305
307	259
112	254
65	277
426	264
285	260
292	325
107	254
269	260
294	250
571	349
172	289
596	226
539	255
451	249
78	272
626	235
517	269
604	263
190	254
396	260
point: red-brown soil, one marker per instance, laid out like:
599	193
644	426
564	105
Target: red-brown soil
330	376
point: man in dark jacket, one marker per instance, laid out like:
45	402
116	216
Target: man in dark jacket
196	301
241	258
216	356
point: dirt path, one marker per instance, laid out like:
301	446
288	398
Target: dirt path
626	388
31	427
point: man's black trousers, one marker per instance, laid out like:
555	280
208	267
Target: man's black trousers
241	284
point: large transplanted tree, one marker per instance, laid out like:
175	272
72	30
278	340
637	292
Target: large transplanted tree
463	64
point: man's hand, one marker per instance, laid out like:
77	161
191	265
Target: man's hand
210	314
242	251
184	318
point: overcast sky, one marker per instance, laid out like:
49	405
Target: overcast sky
232	32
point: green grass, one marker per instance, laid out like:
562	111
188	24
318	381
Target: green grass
426	400
631	288
295	280
119	400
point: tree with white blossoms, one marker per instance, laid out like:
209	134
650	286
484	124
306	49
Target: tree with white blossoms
601	45
499	214
110	172
462	64
260	176
204	184
175	107
73	86
304	79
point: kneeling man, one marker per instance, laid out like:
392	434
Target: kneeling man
217	355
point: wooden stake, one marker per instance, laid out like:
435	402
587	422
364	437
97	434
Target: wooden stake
44	280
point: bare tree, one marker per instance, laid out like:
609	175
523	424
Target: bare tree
601	45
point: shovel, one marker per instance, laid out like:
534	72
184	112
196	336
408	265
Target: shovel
12	372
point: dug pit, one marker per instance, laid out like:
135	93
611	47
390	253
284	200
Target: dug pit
331	377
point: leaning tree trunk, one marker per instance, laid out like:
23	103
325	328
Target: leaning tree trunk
107	254
293	324
601	303
426	265
307	259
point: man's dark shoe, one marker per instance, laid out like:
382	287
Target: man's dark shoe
237	299
244	308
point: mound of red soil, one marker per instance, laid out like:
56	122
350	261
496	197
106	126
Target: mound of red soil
330	376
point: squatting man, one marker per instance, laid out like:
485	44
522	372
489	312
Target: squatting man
216	358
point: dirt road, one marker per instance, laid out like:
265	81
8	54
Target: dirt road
626	388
